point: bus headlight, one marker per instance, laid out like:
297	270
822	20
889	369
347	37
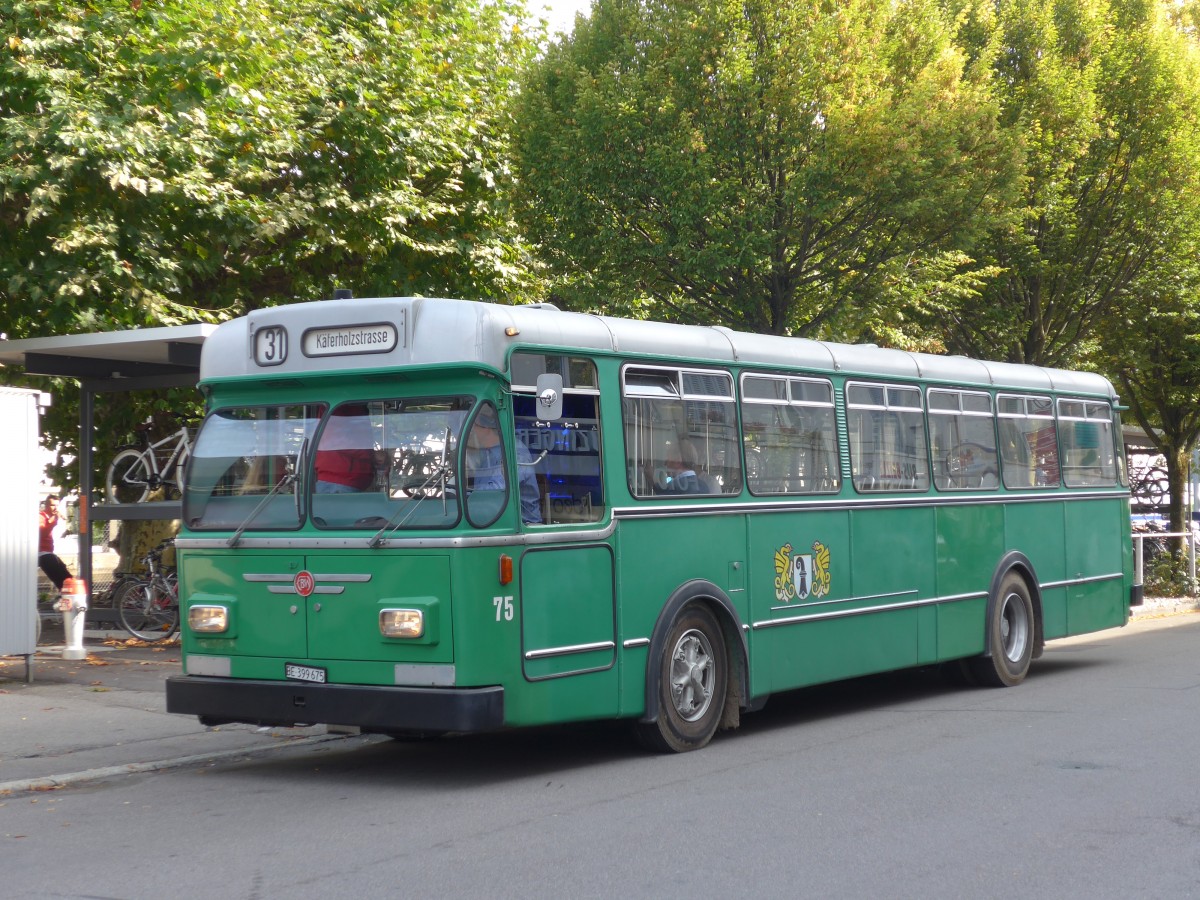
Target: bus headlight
401	623
208	619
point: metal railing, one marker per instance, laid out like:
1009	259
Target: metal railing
1139	550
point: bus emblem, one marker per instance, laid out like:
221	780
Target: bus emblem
305	583
801	575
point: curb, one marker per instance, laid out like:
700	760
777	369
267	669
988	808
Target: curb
1164	606
53	782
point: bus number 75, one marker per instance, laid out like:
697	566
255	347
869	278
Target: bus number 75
504	607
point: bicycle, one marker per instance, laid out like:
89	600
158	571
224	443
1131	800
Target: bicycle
1149	487
148	606
135	471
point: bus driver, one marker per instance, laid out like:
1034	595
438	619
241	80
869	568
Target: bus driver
485	460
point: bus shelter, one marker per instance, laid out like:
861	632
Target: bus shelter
106	362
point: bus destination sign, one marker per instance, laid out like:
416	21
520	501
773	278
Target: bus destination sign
348	340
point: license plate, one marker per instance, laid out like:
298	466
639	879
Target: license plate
303	673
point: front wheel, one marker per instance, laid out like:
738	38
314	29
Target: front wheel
129	476
1011	627
692	679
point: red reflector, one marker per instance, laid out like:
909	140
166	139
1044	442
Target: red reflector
505	568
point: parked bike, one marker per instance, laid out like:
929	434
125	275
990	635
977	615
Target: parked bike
148	605
136	471
1149	486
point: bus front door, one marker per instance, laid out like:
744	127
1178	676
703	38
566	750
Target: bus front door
568	612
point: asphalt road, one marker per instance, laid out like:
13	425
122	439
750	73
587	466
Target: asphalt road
1083	782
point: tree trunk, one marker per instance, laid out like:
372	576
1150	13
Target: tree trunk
1177	471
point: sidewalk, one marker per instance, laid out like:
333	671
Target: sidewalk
106	715
1155	607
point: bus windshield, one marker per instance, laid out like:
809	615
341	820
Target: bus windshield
389	465
382	465
246	465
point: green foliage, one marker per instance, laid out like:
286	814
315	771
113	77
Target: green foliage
169	163
1092	89
1150	344
165	163
755	164
1166	575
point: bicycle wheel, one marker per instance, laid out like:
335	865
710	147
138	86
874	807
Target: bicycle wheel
1156	487
174	484
146	614
108	597
129	475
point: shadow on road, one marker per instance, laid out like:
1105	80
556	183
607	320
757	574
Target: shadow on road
458	762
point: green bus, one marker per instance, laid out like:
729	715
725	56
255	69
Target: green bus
419	516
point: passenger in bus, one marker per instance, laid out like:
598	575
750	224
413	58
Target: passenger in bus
485	466
681	476
346	456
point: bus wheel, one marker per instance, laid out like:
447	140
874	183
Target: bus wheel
1010	636
691	685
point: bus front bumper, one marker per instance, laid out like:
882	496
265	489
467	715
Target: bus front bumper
217	701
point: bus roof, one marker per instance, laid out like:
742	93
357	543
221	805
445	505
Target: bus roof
346	335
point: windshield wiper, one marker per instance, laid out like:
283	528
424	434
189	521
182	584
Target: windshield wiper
439	472
438	475
290	478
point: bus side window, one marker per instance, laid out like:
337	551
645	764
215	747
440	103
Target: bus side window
1028	446
1085	431
566	450
962	439
886	426
681	435
789	430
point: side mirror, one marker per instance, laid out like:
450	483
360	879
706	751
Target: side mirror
549	397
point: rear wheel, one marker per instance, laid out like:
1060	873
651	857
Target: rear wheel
1010	636
129	476
175	485
146	615
692	677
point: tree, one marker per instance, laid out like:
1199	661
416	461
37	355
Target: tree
180	162
752	163
1086	85
1151	345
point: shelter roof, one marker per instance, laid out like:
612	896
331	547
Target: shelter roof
111	360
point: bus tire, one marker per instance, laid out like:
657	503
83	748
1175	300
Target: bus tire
692	684
1011	633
